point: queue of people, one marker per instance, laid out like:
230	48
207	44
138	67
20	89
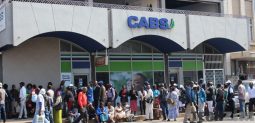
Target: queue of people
98	101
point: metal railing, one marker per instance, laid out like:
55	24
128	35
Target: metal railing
128	7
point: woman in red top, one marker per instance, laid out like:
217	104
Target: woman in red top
123	95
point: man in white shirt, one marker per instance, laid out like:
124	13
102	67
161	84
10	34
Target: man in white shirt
149	104
2	103
251	92
22	96
241	97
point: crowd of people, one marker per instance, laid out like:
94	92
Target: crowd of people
98	101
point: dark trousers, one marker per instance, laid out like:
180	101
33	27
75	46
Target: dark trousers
232	107
163	106
84	116
96	103
251	104
142	107
219	110
2	112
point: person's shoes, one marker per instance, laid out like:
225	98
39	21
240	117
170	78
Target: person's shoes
168	120
145	120
163	119
174	119
150	119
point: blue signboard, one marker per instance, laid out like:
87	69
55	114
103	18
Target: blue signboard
150	23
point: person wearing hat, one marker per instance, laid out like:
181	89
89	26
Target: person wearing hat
2	102
163	101
40	106
102	96
200	98
230	96
22	96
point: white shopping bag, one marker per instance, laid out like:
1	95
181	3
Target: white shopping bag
39	119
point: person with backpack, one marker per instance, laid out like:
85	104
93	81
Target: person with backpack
230	96
163	102
219	109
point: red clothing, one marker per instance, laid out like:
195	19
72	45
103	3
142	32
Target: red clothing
82	99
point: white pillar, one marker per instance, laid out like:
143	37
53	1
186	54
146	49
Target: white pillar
227	64
227	5
163	4
242	7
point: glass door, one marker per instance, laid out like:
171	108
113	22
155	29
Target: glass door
80	80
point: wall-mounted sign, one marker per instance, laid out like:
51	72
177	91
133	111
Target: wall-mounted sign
101	61
150	23
2	19
67	77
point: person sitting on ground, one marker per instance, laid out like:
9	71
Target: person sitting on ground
102	114
110	111
119	112
73	115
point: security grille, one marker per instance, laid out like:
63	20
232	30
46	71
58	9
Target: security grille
213	61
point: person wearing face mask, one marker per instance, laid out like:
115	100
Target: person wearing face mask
251	92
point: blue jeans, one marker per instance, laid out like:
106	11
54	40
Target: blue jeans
49	115
242	108
163	106
2	112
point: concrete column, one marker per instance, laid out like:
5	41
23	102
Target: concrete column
227	64
92	67
227	7
242	7
166	72
90	2
163	4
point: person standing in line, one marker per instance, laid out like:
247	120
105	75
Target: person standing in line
200	98
141	95
14	102
219	109
163	101
190	106
2	103
7	101
50	90
40	107
241	97
58	106
133	99
230	96
82	104
209	100
96	94
149	104
172	98
251	92
123	95
102	97
22	96
90	94
110	94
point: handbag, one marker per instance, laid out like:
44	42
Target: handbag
59	106
149	100
39	119
103	117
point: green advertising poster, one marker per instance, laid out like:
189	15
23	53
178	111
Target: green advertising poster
117	79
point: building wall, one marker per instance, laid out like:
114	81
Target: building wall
236	7
36	61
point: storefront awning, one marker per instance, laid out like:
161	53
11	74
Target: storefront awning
163	44
85	42
224	45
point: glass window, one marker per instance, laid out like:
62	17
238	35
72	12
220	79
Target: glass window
77	49
158	77
146	48
65	46
102	76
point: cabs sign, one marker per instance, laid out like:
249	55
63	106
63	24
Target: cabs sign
150	23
